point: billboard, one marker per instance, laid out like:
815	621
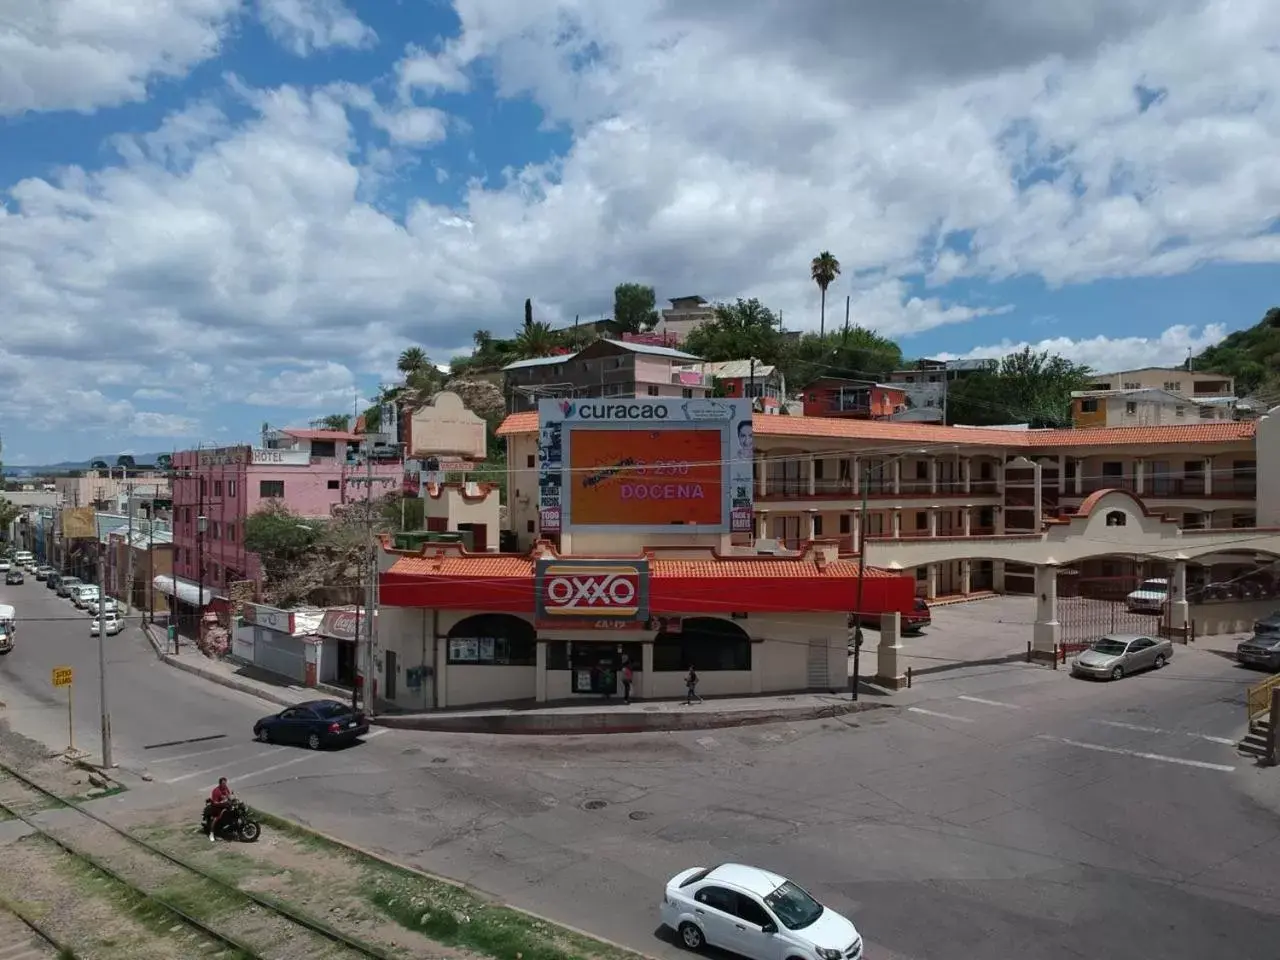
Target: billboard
592	594
79	523
649	464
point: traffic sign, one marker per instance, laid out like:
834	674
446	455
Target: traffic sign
62	676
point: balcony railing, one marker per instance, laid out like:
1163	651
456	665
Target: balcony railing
843	489
1170	487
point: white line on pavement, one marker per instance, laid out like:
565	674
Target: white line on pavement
1227	741
1224	768
992	703
934	713
231	763
277	766
376	733
197	753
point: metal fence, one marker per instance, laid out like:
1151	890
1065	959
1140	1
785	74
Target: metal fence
1092	607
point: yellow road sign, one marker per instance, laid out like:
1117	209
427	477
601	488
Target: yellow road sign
62	676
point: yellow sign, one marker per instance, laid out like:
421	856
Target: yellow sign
62	676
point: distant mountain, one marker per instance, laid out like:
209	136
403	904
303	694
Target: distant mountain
1251	356
26	469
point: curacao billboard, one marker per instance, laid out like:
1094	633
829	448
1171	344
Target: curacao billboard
645	465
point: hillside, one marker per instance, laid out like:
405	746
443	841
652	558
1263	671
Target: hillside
1251	356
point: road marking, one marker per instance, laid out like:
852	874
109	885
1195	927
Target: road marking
376	733
232	763
277	766
934	713
707	743
197	753
992	703
183	743
1226	741
1201	764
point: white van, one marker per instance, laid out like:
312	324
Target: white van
23	557
82	593
8	626
1150	597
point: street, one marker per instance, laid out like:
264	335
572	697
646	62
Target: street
1004	811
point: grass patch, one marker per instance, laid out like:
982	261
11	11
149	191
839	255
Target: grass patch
451	914
109	792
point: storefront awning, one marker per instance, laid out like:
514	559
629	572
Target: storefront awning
183	590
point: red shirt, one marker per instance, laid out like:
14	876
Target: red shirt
220	794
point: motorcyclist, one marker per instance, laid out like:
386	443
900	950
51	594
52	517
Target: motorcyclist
219	801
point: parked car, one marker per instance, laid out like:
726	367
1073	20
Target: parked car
1263	648
316	723
918	618
109	604
43	571
1150	597
1118	655
6	638
14	576
754	913
65	584
5	565
112	623
82	593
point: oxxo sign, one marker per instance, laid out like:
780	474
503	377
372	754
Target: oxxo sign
591	594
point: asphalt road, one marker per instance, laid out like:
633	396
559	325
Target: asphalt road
1009	811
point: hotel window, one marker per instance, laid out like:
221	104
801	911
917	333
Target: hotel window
214	530
217	488
231	488
231	532
271	489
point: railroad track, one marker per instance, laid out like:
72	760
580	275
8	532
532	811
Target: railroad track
23	938
232	923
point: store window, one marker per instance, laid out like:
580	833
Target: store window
494	639
271	489
704	643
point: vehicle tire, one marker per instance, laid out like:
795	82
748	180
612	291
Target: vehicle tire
1161	660
313	741
264	734
249	831
1117	673
691	937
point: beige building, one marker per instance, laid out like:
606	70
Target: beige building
684	316
1188	383
98	488
1147	407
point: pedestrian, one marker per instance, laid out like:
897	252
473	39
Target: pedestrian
628	678
691	687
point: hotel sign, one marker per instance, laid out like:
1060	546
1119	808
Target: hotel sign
280	458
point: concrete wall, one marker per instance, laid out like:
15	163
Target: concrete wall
445	427
1267	445
1226	617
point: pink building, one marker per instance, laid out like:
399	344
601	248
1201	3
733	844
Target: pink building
312	472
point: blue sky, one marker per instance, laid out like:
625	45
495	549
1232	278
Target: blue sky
230	212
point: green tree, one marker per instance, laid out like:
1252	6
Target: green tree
1251	357
634	308
855	352
412	360
279	537
164	462
537	339
1027	387
824	268
335	421
740	331
528	313
125	460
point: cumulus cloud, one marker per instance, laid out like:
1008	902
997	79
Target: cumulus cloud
305	26
84	54
1068	143
1113	354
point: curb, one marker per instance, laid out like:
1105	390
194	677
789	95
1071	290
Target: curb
215	677
534	724
458	884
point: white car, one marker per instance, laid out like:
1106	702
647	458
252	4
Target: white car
108	604
1150	597
4	566
113	624
756	914
82	593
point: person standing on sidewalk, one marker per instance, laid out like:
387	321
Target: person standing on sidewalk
628	678
691	687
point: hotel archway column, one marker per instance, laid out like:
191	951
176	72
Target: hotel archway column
1047	628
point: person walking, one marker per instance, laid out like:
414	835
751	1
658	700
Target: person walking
691	687
628	678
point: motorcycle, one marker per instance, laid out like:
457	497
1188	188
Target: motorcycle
237	822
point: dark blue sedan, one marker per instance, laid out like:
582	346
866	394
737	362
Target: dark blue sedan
316	724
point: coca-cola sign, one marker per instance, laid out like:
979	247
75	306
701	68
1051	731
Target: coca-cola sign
340	624
580	594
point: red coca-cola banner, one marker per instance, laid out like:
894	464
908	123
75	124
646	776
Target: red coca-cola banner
341	624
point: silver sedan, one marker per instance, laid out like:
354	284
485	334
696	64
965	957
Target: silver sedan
1117	655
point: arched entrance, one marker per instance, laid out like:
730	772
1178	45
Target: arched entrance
493	638
708	644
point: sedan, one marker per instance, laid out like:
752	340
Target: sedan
13	577
756	914
1117	655
5	565
112	623
1263	648
108	605
43	571
316	723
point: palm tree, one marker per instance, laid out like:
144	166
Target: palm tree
824	269
537	339
411	360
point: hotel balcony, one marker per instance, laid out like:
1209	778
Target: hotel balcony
798	489
1157	488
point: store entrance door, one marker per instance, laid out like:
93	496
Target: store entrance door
595	668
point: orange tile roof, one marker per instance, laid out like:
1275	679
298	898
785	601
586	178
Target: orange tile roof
507	566
880	431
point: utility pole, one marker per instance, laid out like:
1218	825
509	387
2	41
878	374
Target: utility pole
371	579
128	576
856	680
107	762
151	563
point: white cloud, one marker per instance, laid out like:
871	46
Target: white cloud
907	138
84	54
147	423
305	26
1112	354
